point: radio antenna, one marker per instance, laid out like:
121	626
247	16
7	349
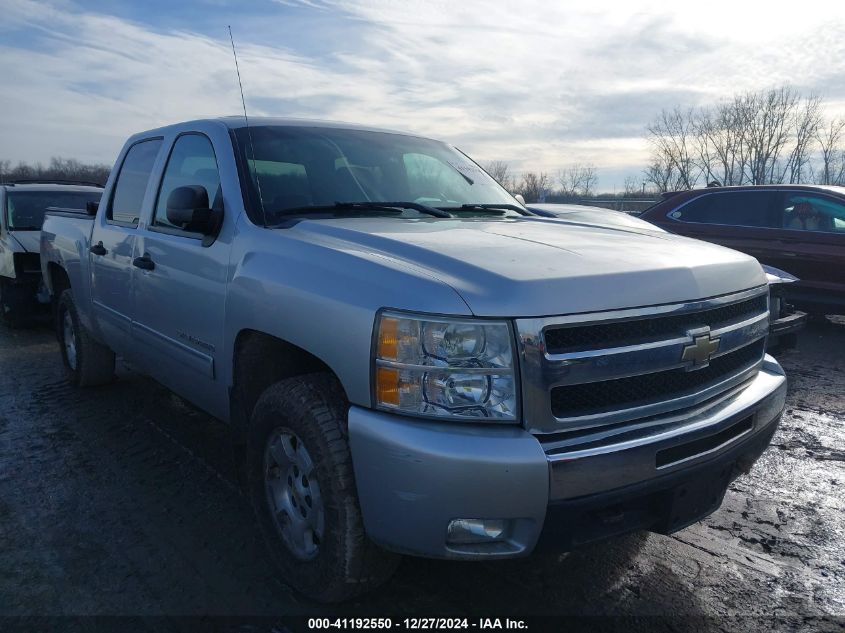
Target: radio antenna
248	130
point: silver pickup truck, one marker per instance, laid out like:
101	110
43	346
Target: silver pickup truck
410	360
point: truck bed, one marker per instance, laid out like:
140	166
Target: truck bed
65	240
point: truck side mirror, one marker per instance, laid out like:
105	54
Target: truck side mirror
520	199
187	207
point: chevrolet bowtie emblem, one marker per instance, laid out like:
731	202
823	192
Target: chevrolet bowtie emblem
702	348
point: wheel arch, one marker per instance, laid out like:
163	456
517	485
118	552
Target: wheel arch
57	279
260	360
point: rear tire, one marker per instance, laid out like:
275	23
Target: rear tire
87	361
302	487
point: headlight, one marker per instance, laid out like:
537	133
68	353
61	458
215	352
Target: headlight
445	368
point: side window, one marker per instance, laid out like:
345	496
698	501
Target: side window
132	182
809	212
191	162
734	208
696	210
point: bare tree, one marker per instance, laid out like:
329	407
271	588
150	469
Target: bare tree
24	171
632	186
830	137
839	171
578	179
533	185
58	169
591	180
663	175
806	120
765	123
499	171
672	138
756	138
718	144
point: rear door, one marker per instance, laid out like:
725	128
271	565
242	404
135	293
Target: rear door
811	240
113	244
179	302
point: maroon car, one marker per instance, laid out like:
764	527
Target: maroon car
797	228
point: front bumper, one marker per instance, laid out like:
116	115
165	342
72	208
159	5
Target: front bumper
415	477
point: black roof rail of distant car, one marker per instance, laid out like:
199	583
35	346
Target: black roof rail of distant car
50	181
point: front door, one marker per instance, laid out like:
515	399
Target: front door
179	297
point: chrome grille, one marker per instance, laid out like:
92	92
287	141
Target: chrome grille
606	335
584	371
609	395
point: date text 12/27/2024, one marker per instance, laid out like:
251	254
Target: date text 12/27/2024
416	623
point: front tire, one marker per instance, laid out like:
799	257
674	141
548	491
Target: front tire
302	488
87	361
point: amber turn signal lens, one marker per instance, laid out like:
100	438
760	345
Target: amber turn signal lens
387	386
388	339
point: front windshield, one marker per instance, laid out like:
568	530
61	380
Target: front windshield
315	166
25	209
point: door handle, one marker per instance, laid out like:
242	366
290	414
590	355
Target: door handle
98	249
144	263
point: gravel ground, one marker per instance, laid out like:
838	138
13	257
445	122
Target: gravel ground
121	501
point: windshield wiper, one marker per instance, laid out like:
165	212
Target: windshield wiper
416	206
495	206
462	174
363	206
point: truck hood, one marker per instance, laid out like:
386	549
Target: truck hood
529	267
595	216
29	240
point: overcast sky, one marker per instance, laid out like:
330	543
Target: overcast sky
537	84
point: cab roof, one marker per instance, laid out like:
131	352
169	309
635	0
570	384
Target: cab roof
238	122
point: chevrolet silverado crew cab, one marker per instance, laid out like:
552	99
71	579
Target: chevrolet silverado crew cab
22	208
410	361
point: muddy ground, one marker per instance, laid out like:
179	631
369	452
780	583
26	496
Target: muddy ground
122	500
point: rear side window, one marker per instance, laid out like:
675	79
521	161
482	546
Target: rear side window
809	212
736	208
192	162
132	182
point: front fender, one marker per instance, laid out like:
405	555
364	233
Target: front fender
323	299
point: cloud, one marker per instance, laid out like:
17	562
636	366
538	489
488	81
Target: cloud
537	84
